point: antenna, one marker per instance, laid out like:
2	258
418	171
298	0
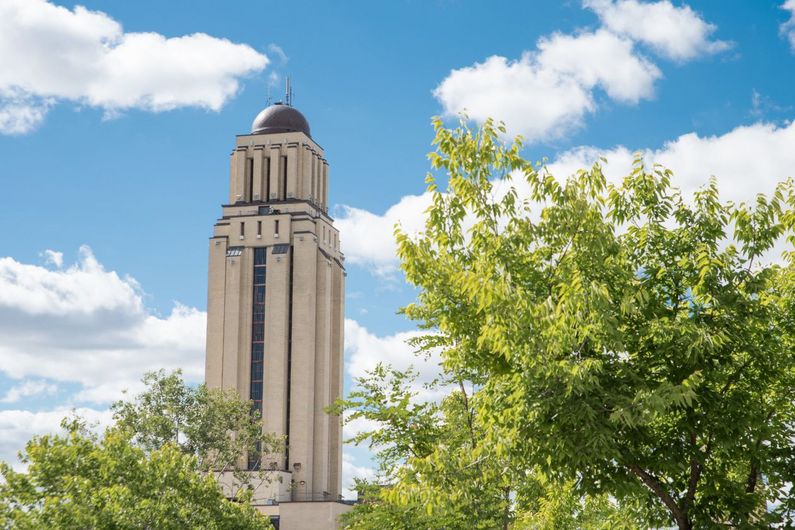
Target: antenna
288	92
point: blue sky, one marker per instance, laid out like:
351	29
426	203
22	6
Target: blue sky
117	120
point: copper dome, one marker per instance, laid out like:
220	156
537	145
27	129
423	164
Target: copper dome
280	118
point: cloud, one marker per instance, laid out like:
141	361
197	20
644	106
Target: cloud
747	160
364	350
19	426
678	33
53	257
49	53
351	471
547	92
28	388
788	28
84	324
277	51
367	238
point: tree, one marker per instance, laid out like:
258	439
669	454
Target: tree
215	426
82	481
626	339
441	471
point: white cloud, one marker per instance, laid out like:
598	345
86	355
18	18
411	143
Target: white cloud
678	33
788	27
546	94
18	426
54	257
367	238
87	325
364	350
747	160
350	471
28	388
50	53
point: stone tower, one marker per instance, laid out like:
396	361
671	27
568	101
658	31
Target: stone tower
275	300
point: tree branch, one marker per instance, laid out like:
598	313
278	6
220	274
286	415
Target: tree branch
655	486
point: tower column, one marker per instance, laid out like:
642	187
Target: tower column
302	363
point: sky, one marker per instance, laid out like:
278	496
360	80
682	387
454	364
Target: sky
117	120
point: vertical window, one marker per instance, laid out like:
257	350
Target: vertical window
257	364
259	228
249	191
267	186
312	180
276	227
283	183
242	230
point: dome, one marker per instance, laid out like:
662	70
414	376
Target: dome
280	118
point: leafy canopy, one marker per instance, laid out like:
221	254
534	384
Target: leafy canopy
624	338
215	426
78	480
155	468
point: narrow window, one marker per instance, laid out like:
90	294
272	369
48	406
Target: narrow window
312	186
257	375
250	179
267	163
242	230
283	184
324	233
259	228
276	228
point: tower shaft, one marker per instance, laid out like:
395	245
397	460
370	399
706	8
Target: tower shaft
275	308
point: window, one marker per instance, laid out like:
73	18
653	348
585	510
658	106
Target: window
249	191
259	294
242	230
267	162
258	327
259	255
232	252
259	228
283	183
276	227
281	249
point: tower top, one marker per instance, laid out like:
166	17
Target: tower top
280	118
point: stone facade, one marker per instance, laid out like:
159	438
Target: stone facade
275	307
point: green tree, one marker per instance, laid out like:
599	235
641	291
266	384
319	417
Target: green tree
78	480
441	471
217	427
626	339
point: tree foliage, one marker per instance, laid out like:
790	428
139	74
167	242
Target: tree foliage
215	426
156	467
625	339
440	469
80	481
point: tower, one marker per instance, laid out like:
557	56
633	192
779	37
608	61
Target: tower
275	299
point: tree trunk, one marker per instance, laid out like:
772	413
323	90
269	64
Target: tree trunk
679	514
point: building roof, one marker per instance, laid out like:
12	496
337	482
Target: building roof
280	118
